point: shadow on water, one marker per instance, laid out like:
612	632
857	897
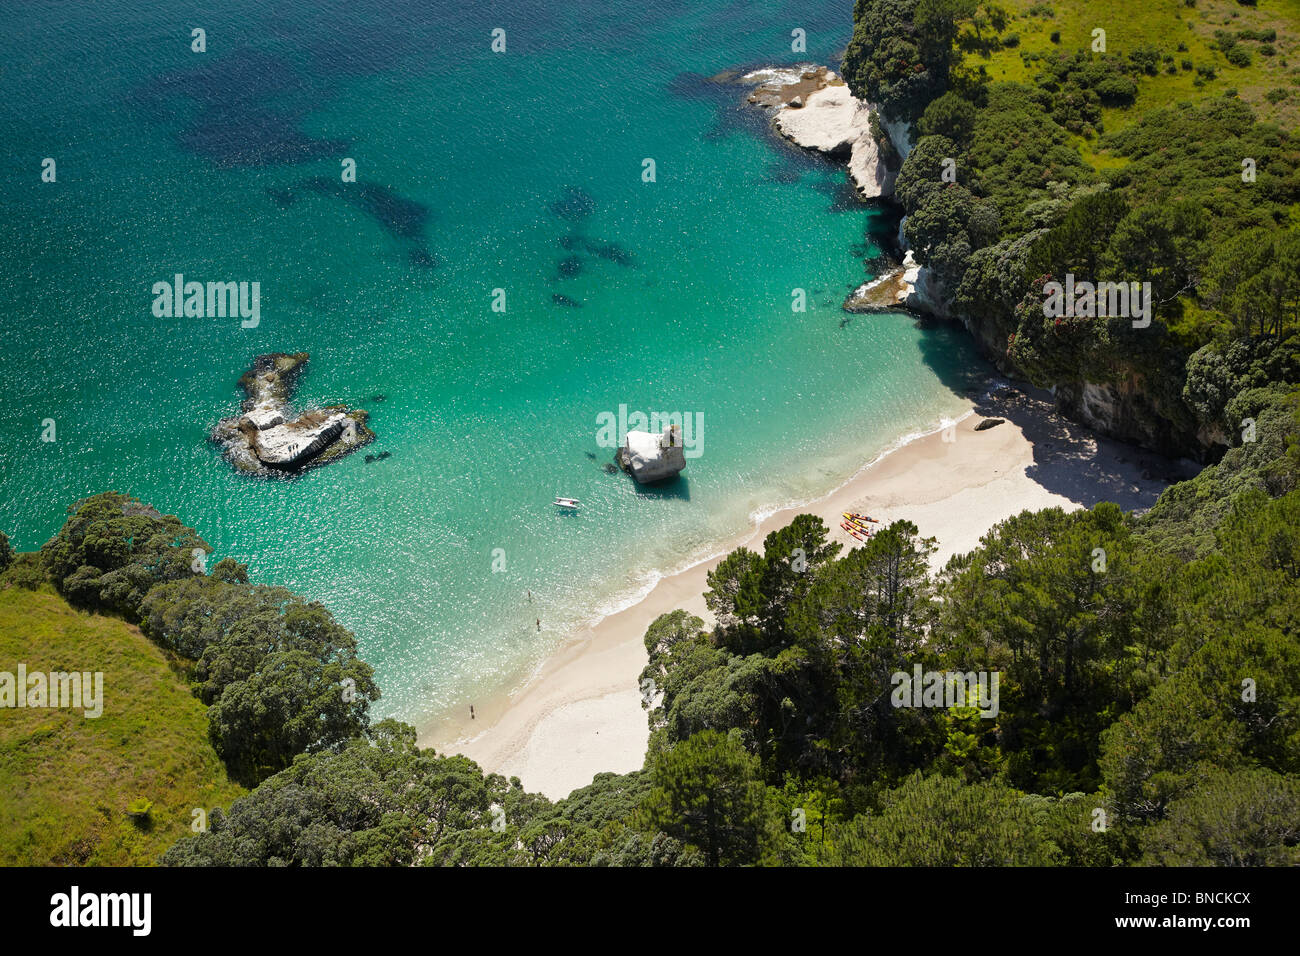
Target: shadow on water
678	488
948	351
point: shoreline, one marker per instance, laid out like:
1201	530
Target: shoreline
580	713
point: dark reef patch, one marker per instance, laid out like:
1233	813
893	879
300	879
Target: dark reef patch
601	249
610	252
231	139
422	259
402	218
566	301
249	106
574	206
570	267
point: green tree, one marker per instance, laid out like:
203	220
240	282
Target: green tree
708	792
113	549
942	821
1248	817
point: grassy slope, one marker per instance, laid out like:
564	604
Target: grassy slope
65	780
1162	24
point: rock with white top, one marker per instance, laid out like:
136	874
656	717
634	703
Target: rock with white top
831	120
648	457
265	439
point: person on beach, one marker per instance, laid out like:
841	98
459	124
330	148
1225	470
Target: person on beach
471	711
539	623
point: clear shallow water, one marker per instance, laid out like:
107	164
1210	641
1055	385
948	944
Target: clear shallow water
476	171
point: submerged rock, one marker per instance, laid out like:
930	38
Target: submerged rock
265	438
649	458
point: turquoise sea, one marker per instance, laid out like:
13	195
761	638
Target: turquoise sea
476	171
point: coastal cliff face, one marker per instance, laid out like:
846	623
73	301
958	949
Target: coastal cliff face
814	109
1125	407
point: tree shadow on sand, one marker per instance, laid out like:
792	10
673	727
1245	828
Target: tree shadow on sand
1069	459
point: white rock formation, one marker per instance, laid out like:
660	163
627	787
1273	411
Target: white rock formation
264	438
285	445
828	121
650	457
917	289
911	273
833	121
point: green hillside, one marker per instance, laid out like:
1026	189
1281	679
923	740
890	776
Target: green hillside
66	781
1193	42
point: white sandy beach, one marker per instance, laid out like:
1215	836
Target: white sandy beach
581	714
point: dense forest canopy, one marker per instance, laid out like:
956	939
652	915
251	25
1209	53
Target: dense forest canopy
1200	199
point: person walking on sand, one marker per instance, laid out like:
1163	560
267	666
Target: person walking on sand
471	711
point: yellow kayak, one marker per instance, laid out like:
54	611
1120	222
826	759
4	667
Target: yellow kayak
854	516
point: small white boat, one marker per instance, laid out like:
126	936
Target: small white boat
562	502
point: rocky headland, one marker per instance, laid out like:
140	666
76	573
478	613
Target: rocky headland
267	439
814	109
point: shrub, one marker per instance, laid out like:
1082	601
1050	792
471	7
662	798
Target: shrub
26	572
1237	56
